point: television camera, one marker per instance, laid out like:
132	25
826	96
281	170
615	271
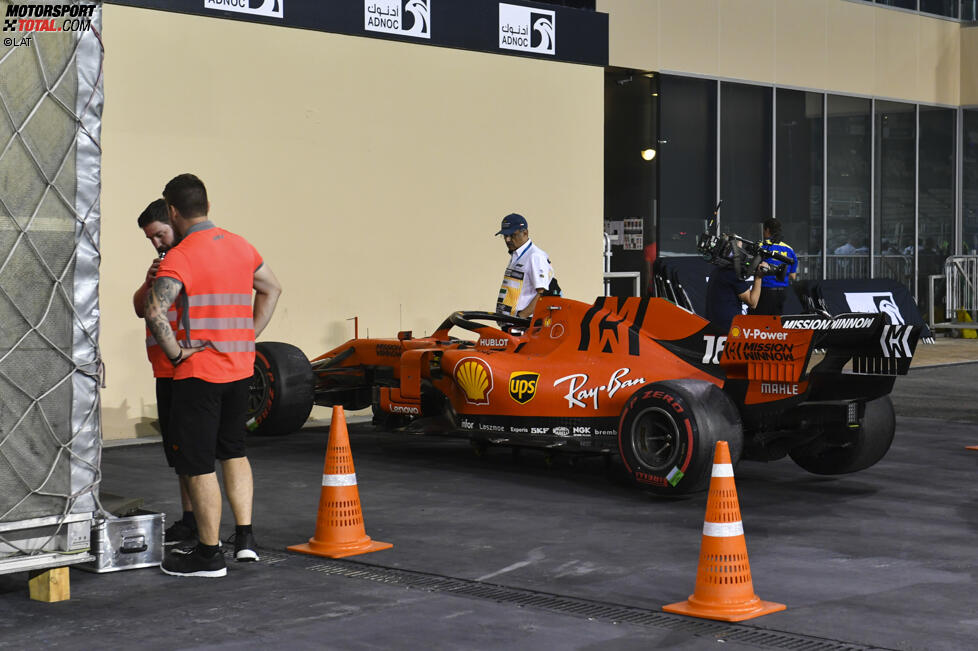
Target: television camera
738	253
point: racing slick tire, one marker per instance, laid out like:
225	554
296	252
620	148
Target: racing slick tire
869	444
668	430
281	390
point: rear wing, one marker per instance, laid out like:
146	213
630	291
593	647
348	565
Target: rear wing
875	346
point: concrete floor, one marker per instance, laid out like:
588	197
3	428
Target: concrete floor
885	558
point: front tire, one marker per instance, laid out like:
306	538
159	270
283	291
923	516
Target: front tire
281	391
860	449
668	430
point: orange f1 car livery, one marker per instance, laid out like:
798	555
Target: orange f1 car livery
641	379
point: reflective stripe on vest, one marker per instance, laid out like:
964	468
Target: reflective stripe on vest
220	299
237	323
243	346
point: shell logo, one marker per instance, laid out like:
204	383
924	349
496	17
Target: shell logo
735	331
474	377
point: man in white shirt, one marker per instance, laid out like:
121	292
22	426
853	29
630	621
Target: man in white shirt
528	274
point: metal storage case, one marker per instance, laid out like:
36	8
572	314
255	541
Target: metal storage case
127	543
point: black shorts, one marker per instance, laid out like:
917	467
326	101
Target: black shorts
207	421
164	398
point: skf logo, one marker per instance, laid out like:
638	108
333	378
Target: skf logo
269	8
527	30
474	377
523	386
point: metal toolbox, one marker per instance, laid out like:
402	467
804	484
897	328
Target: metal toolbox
127	543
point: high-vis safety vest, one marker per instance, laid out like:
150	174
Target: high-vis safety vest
162	366
217	269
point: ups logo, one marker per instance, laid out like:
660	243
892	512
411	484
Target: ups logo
523	386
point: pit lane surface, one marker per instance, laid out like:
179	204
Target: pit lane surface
885	558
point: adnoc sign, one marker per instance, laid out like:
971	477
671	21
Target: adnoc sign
523	28
269	8
401	17
527	29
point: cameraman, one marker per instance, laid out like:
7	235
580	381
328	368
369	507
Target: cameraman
773	287
726	292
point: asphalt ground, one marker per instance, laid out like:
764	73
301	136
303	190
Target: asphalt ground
494	552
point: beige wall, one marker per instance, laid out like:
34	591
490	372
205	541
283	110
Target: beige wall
969	66
370	174
833	45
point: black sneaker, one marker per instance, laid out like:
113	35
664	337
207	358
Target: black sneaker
245	548
186	546
194	564
179	532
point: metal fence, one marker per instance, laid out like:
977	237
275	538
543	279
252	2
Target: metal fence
961	280
50	433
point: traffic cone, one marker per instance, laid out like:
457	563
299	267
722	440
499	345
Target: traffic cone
339	524
724	589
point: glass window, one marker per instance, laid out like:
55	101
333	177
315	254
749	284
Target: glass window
745	158
895	199
902	4
687	154
848	173
935	238
969	10
947	8
629	179
969	190
798	176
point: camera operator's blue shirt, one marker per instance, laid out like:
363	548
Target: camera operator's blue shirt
785	250
722	302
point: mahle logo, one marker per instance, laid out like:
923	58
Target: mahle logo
523	386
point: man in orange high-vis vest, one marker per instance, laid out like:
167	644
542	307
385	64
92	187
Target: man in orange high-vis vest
155	223
216	271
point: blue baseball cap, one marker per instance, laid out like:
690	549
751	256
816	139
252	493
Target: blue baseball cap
512	223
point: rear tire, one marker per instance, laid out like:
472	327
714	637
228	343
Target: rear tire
668	430
281	391
864	448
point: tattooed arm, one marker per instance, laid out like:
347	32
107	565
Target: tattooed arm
159	299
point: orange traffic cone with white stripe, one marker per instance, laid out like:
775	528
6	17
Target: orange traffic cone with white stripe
339	525
724	589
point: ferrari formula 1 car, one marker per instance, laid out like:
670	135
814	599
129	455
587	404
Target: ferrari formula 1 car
641	379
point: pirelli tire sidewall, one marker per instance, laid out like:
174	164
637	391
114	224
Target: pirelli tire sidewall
282	390
693	415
